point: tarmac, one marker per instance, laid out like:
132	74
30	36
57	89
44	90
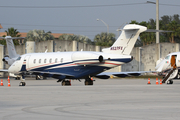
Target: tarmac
112	99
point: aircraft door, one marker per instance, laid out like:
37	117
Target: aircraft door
173	61
26	61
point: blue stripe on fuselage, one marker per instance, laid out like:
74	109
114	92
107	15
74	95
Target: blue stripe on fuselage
79	70
60	64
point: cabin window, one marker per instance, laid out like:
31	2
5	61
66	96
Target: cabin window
44	60
61	60
39	60
34	60
50	60
56	60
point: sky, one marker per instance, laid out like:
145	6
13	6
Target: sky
79	17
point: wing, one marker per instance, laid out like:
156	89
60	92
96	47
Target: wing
106	75
56	75
3	70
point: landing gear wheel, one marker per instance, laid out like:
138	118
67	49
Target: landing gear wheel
66	83
22	84
170	82
88	82
38	77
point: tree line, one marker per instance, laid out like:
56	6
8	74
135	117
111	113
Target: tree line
168	23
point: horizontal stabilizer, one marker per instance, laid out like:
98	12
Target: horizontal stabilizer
12	37
148	30
151	30
3	70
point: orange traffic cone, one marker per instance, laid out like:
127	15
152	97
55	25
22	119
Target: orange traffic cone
9	85
149	81
8	78
2	82
160	82
157	81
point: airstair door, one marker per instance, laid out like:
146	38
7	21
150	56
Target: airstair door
26	61
173	61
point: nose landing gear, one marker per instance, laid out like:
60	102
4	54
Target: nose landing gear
170	82
22	83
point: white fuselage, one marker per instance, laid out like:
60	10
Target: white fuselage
74	63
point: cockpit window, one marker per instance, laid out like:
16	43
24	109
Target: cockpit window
167	57
18	58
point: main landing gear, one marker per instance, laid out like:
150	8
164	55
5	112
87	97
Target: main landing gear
88	81
66	83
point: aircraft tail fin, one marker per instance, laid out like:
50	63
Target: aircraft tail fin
125	43
10	46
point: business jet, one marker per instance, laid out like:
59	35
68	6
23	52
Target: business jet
77	65
169	67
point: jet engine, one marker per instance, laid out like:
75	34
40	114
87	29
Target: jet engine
7	60
87	58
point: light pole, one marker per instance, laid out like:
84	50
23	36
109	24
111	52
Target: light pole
140	48
105	24
157	18
157	27
119	28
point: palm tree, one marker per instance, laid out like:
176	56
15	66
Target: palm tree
104	39
39	35
13	33
175	27
146	38
48	36
79	38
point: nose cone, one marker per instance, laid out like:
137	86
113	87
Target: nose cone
13	69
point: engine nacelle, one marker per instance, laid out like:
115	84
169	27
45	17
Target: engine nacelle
86	58
5	59
8	60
